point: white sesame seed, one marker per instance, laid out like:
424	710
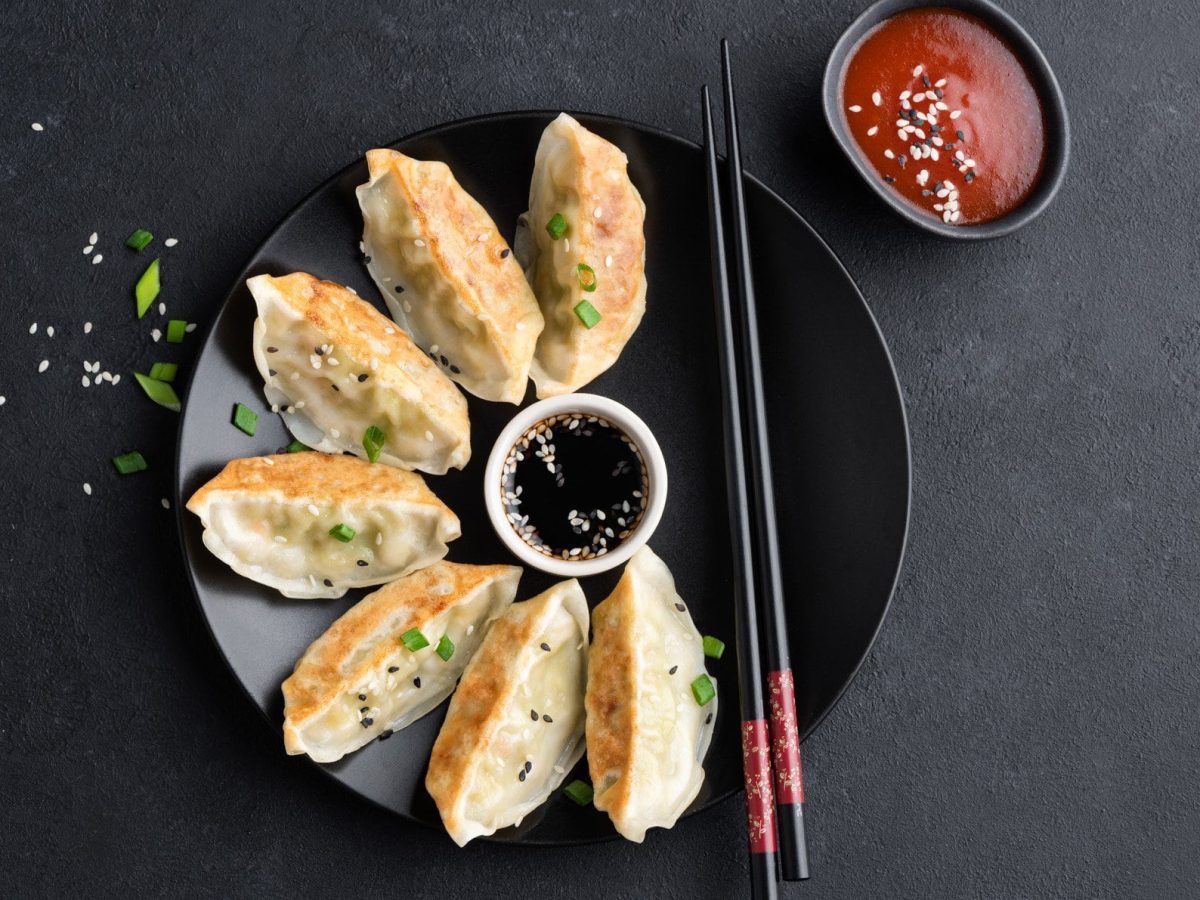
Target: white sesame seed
938	207
95	238
33	328
904	95
116	379
156	335
166	504
43	366
88	249
937	141
280	539
379	539
189	327
87	382
36	126
87	327
268	461
333	361
608	261
970	163
955	216
900	123
429	435
162	309
312	508
597	212
955	113
3	400
958	154
49	331
334	433
902	134
418	242
389	329
97	259
943	193
947	216
855	108
920	133
877	98
933	154
872	131
918	98
87	489
918	70
942	105
941	82
170	242
483	236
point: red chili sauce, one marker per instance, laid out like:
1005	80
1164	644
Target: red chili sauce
945	113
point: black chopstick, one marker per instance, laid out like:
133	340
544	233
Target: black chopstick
785	736
756	750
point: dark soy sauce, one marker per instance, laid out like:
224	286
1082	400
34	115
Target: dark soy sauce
575	486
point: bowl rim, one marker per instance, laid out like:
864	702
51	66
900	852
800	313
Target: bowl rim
1054	108
590	404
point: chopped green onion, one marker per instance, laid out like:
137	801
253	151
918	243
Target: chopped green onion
176	329
714	648
556	227
296	447
373	441
588	314
163	371
147	288
414	640
703	690
586	275
139	240
245	418
159	391
342	532
445	648
579	791
128	463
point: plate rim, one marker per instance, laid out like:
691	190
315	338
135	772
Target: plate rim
549	114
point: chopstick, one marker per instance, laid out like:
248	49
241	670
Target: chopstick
785	735
756	750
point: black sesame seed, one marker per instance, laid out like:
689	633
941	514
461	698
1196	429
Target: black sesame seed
320	351
456	370
398	289
393	669
362	562
445	362
547	719
672	670
709	719
902	159
362	696
925	80
272	372
335	387
938	93
328	583
528	766
384	735
366	259
681	607
521	775
533	714
958	134
970	176
363	377
364	709
272	349
927	193
889	179
935	128
545	647
937	187
417	681
504	253
368	722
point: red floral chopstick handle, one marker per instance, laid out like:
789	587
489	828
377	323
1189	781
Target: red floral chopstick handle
785	738
760	803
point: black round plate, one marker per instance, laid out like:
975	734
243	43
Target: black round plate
839	444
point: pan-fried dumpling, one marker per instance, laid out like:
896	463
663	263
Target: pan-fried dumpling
360	680
591	279
646	732
515	725
447	275
336	366
270	519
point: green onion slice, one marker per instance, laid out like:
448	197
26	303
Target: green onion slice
556	227
296	447
445	648
128	463
579	791
414	640
164	371
703	690
139	240
586	275
159	391
176	329
373	441
714	648
588	314
245	418
342	532
147	288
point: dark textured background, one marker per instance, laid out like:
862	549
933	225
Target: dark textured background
1026	725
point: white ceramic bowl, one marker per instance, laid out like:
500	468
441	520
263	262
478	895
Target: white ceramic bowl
592	405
